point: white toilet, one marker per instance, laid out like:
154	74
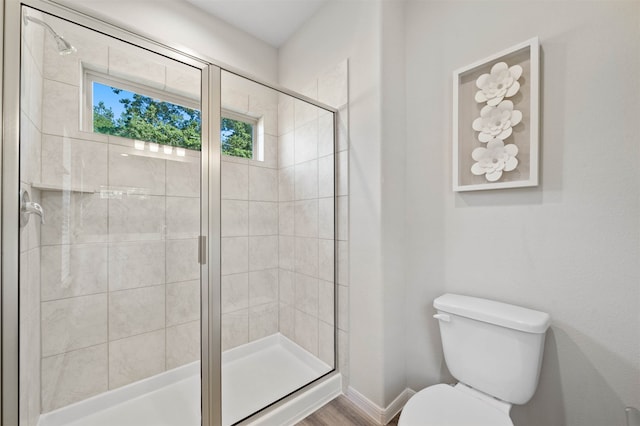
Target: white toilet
495	351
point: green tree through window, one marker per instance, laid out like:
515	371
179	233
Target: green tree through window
236	138
147	119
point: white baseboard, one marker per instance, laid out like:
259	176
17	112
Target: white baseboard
380	415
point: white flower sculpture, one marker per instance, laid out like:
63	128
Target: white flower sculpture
494	159
500	83
496	122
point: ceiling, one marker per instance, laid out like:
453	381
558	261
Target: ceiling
272	21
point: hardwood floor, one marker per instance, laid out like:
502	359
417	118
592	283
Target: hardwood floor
341	412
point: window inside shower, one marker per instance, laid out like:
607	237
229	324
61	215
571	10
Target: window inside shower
144	117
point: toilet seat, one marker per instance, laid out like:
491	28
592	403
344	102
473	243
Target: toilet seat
444	405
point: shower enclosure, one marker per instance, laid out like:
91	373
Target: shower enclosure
168	232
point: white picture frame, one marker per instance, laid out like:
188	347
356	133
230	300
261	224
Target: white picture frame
524	135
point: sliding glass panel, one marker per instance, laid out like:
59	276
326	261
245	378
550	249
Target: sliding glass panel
278	289
110	180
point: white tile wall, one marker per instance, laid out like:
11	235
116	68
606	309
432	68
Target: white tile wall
306	294
234	218
287	286
263	320
306	256
183	217
183	177
263	253
250	300
287	320
73	376
235	292
306	180
286	218
136	311
309	261
306	218
285	115
326	218
326	301
263	287
60	109
73	162
286	190
183	344
304	113
143	173
135	358
263	184
73	323
306	331
182	260
183	302
235	329
285	150
234	181
235	255
137	218
326	342
183	81
326	255
286	256
306	142
135	62
325	135
136	264
73	270
73	218
263	218
326	186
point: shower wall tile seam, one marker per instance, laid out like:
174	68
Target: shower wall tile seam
35	125
75	350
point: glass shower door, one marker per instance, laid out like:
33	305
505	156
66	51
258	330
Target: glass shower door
109	272
278	240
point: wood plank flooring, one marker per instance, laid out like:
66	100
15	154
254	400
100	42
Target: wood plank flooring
341	412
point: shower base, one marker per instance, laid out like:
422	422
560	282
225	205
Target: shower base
253	376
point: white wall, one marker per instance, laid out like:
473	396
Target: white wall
180	24
569	247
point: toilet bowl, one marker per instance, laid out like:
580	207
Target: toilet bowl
446	405
495	350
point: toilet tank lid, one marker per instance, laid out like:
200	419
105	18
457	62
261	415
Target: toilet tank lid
492	312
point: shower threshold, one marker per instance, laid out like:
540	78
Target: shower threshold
254	376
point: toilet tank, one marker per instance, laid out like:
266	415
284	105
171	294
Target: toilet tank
491	346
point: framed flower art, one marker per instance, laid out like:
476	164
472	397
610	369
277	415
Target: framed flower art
495	120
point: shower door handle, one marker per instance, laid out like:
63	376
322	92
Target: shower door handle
34	208
28	207
202	250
